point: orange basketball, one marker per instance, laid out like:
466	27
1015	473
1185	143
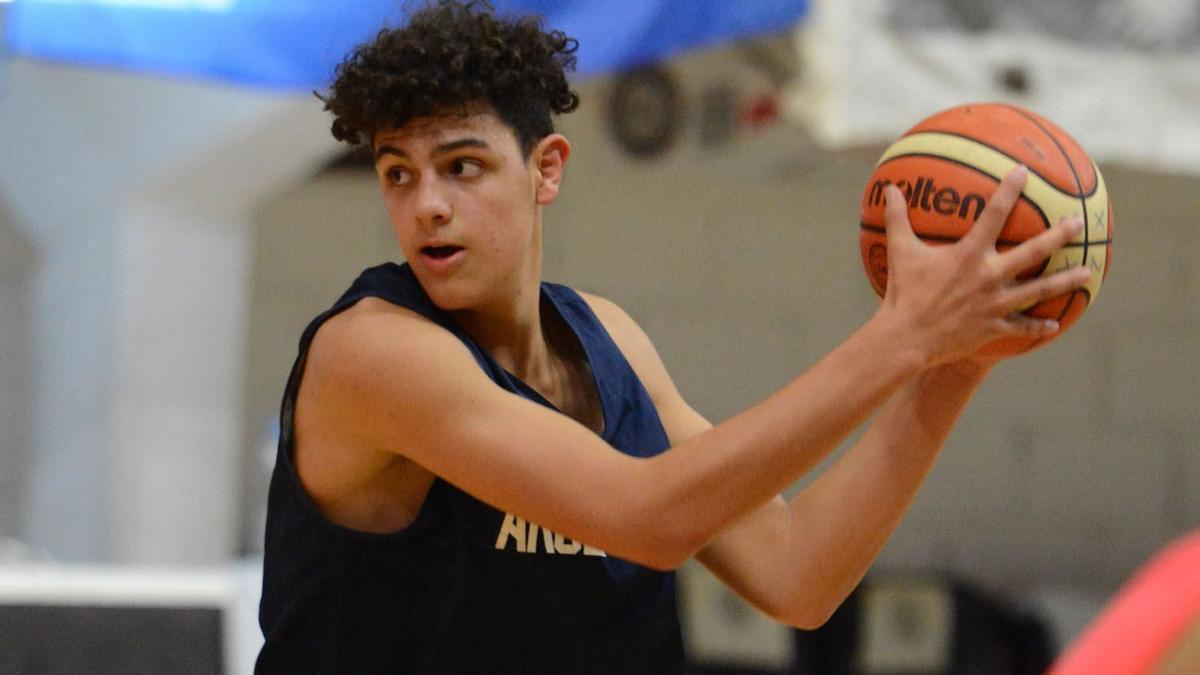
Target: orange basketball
949	164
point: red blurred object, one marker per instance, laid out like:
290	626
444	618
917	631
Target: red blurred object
760	111
1145	620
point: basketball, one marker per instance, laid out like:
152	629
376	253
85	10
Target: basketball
949	164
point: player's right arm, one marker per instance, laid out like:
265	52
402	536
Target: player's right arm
390	381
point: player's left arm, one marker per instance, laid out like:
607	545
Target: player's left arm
798	559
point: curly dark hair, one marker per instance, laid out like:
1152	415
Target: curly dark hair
449	57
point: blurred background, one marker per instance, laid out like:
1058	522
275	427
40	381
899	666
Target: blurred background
173	211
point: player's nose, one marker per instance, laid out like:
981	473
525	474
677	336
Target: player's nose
433	203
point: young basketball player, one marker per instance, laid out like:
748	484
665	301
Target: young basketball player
482	472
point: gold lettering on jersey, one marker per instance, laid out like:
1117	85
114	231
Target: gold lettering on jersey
566	546
531	544
514	528
524	536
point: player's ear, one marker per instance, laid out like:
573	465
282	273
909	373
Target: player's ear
549	159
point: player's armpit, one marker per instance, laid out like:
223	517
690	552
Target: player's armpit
391	380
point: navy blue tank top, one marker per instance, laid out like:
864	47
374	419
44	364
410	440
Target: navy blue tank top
465	588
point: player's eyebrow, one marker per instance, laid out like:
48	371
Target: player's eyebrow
439	150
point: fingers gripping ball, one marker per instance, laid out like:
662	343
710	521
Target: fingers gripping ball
949	164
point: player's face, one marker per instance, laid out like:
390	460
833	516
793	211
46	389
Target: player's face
466	207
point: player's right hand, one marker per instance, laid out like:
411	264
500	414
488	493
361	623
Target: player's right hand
952	299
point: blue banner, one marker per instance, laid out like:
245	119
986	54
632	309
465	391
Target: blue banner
294	44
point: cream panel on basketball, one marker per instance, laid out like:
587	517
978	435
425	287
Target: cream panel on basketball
1091	246
1052	202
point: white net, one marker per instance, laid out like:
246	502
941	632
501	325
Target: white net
1121	76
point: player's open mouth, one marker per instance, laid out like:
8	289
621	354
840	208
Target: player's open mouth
440	252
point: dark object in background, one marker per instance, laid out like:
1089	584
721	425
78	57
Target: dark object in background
924	626
645	111
74	640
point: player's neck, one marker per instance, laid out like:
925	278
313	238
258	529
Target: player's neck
512	333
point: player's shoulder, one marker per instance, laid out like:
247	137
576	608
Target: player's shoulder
373	319
374	338
606	310
619	324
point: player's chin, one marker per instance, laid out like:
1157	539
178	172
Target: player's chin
450	294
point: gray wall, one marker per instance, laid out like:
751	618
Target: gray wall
1071	467
17	261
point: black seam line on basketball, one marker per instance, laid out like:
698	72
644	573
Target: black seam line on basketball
926	237
1007	242
1074	173
1033	204
1066	308
1087	298
997	151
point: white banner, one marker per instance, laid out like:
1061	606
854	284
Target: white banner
870	69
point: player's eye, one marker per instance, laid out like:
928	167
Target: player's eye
466	168
398	175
